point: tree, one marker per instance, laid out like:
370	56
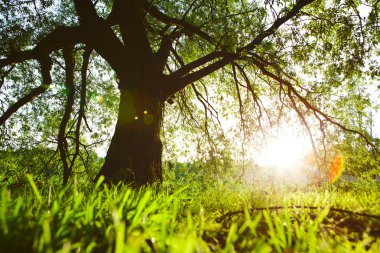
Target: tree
157	48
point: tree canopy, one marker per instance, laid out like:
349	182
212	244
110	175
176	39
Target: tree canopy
70	69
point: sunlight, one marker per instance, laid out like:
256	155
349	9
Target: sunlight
284	151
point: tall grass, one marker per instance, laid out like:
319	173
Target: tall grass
99	218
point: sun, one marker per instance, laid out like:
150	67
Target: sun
284	150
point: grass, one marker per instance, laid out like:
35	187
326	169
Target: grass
167	218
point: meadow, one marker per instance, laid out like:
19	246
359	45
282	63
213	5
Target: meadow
177	217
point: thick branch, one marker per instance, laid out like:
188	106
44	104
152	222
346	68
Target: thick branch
163	52
177	84
60	37
17	57
46	65
100	36
128	15
198	63
68	55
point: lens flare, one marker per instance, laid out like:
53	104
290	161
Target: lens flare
284	152
336	168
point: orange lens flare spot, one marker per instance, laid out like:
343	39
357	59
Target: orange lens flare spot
336	168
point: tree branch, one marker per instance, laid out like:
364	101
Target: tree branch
189	28
309	106
280	21
82	104
256	99
128	15
46	64
198	63
163	52
99	35
177	84
302	118
68	54
237	83
57	39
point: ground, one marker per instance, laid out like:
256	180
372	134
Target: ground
222	217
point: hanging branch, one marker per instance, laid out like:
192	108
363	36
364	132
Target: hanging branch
242	121
205	103
205	107
237	83
211	108
256	99
308	105
306	125
277	67
68	55
322	130
82	104
182	106
182	101
45	64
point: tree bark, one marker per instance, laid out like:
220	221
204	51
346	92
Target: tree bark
134	155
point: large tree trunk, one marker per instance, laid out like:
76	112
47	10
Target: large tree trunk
134	155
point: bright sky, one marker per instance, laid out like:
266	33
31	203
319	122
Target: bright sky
284	149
